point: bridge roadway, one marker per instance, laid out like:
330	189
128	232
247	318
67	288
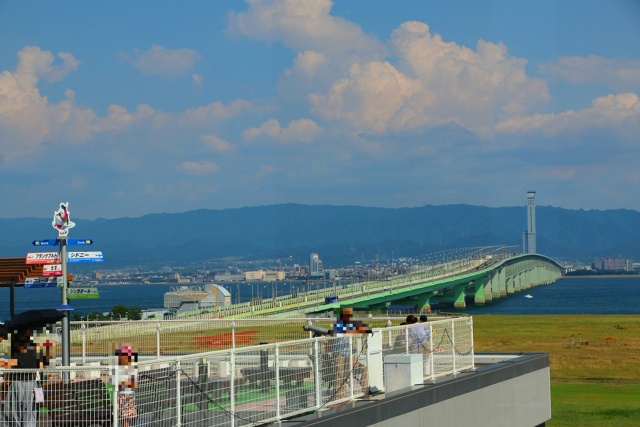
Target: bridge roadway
491	274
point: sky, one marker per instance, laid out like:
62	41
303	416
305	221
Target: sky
127	108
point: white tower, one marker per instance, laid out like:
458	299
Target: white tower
529	236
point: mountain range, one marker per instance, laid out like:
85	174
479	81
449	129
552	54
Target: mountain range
341	235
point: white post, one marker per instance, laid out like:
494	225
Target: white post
178	395
116	384
374	360
351	366
233	335
158	340
317	374
232	398
276	366
453	345
84	343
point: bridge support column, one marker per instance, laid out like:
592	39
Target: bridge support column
526	280
502	283
488	296
510	284
459	295
535	276
498	277
424	302
517	282
479	294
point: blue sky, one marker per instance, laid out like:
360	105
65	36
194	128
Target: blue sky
127	108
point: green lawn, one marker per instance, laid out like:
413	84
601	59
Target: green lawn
594	362
594	404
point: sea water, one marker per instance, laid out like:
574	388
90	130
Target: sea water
566	296
142	296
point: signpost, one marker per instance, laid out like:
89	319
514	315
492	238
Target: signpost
55	271
62	222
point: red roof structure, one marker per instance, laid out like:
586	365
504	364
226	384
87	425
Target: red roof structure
13	273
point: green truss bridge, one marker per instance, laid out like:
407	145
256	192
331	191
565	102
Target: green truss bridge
482	274
480	280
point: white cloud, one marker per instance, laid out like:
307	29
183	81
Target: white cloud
326	45
431	83
214	112
303	130
197	80
302	25
27	118
33	60
199	168
215	143
163	62
307	63
619	114
425	83
369	98
471	88
621	74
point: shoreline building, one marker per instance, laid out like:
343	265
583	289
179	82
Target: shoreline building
529	236
315	265
192	298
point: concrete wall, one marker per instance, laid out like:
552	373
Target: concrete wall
514	392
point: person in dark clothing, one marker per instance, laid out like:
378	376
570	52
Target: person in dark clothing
20	404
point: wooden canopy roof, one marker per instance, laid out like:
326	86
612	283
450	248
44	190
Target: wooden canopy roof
16	270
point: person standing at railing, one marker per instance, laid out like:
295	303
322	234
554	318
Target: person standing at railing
342	348
426	350
417	335
126	384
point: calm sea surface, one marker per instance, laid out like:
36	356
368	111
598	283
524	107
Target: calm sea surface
566	296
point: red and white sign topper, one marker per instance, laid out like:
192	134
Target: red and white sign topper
52	270
62	220
43	258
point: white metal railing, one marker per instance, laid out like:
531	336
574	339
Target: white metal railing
243	386
95	339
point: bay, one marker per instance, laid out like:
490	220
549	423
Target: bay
602	295
605	295
143	296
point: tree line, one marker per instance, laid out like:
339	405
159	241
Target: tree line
118	312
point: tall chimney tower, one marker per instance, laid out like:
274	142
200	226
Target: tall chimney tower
529	236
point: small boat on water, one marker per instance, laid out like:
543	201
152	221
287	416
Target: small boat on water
528	296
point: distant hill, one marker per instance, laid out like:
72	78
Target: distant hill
340	234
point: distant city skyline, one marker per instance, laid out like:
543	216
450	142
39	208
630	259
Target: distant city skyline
128	108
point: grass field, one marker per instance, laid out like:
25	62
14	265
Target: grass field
594	361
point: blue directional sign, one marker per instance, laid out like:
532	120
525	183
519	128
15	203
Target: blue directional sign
45	242
85	257
79	242
43	282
